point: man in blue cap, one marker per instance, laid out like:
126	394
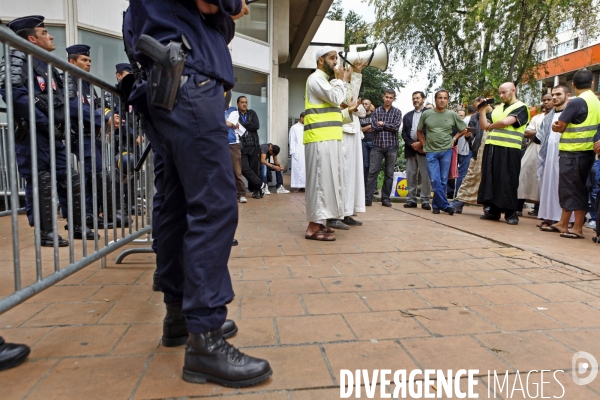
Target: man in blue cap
79	56
199	215
31	28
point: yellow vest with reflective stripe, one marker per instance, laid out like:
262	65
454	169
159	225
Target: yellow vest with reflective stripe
580	137
509	136
321	121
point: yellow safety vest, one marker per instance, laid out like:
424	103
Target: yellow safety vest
580	137
321	121
509	136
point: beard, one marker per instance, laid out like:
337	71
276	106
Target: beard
328	68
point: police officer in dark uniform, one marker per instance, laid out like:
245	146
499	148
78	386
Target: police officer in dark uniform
199	215
79	55
32	28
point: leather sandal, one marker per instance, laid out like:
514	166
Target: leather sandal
321	236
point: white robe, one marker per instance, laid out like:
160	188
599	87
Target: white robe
298	180
353	188
550	208
529	187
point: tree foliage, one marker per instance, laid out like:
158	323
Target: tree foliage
374	82
478	44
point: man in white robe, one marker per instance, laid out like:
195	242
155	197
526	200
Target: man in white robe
298	179
323	143
548	171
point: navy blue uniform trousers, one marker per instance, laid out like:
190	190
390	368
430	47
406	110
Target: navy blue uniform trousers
89	168
199	215
23	153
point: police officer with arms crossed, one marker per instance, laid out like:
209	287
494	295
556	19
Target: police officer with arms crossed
79	56
31	28
199	215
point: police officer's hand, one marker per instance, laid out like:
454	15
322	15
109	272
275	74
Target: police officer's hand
245	11
597	147
206	8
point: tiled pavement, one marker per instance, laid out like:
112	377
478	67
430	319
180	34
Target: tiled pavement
407	290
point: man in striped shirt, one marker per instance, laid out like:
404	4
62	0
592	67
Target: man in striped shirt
385	121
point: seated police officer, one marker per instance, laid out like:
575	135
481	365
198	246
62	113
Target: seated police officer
31	28
199	216
79	55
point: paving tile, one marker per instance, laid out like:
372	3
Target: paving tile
448	297
497	277
112	276
70	314
448	266
324	259
559	292
78	277
399	281
140	339
448	255
516	317
408	256
87	378
18	315
286	363
162	379
65	294
302	250
277	395
505	294
284	261
579	340
566	389
573	314
248	262
480	388
295	286
28	336
453	353
254	332
333	303
367	355
384	325
70	341
250	288
349	284
376	247
321	394
543	275
127	312
448	321
122	292
271	306
527	351
480	253
265	273
380	258
361	269
313	329
318	271
441	279
19	381
392	300
589	287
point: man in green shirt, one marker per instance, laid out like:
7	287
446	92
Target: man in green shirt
440	124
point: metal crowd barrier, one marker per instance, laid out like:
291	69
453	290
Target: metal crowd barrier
50	265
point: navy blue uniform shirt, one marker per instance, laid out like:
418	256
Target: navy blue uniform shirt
208	35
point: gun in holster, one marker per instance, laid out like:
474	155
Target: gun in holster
165	77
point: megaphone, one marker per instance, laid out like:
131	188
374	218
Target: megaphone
377	57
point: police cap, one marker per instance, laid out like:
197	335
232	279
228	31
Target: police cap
123	67
79	49
29	22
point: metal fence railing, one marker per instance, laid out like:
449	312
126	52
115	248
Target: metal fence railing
72	166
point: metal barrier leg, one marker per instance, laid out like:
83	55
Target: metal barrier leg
137	250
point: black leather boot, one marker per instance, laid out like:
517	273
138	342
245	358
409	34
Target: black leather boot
208	357
89	220
12	354
175	331
78	232
47	240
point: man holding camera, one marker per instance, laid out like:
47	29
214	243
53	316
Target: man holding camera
502	154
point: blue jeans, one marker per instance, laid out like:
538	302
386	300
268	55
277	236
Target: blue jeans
438	166
463	167
367	147
595	189
263	175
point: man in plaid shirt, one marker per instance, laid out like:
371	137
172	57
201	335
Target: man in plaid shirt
386	121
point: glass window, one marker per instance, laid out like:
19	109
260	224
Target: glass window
253	85
255	25
105	52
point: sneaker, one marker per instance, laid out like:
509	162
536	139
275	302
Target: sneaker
266	190
591	224
410	204
282	190
449	210
243	199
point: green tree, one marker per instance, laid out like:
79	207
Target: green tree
478	44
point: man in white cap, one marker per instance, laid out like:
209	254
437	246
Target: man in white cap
323	142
